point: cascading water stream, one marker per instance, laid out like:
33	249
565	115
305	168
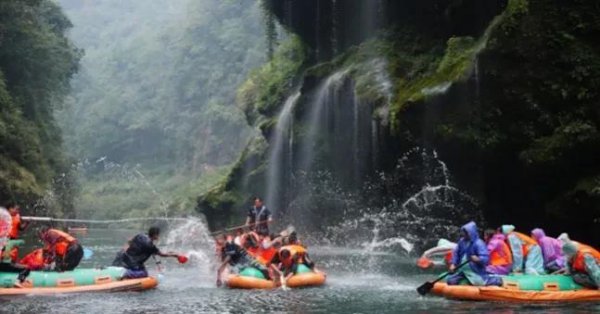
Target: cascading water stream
280	140
327	92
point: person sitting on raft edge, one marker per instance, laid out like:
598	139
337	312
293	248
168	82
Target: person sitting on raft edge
17	227
238	257
138	250
554	260
583	263
259	217
471	247
64	250
526	253
501	260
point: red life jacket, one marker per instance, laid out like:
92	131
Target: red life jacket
266	255
16	226
579	258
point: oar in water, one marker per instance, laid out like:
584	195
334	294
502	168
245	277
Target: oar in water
426	287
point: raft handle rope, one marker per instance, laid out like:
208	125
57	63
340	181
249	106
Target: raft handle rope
97	221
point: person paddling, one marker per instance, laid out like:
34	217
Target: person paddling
259	217
64	250
473	249
138	250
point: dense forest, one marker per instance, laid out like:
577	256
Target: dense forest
152	119
37	62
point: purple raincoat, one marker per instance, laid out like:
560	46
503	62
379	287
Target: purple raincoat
551	250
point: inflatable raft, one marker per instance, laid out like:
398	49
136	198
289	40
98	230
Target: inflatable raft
252	278
75	281
522	288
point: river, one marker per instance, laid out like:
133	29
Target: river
358	282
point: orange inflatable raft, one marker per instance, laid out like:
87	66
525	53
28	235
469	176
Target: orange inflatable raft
511	293
251	281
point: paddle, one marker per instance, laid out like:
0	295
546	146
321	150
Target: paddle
426	287
239	227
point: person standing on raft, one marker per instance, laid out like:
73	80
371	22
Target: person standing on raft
138	250
259	217
500	256
471	247
583	263
551	250
64	250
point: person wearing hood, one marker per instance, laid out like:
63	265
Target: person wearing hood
551	250
526	253
443	249
583	263
473	249
500	256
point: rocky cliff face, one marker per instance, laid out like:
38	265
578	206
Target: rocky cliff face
499	99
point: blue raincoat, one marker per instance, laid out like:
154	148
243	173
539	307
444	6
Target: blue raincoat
475	273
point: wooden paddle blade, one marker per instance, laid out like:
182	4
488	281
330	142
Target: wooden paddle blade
425	288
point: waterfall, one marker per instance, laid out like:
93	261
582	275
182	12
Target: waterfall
281	138
318	112
355	142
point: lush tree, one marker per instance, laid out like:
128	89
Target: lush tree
37	61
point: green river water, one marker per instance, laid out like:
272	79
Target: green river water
359	281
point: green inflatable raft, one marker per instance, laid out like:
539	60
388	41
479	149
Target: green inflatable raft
77	277
540	283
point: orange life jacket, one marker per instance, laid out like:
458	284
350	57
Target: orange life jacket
16	226
294	249
34	260
527	242
501	258
266	255
579	258
59	241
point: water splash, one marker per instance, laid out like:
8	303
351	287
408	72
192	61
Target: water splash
408	219
192	238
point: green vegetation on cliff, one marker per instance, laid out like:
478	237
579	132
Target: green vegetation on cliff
36	64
